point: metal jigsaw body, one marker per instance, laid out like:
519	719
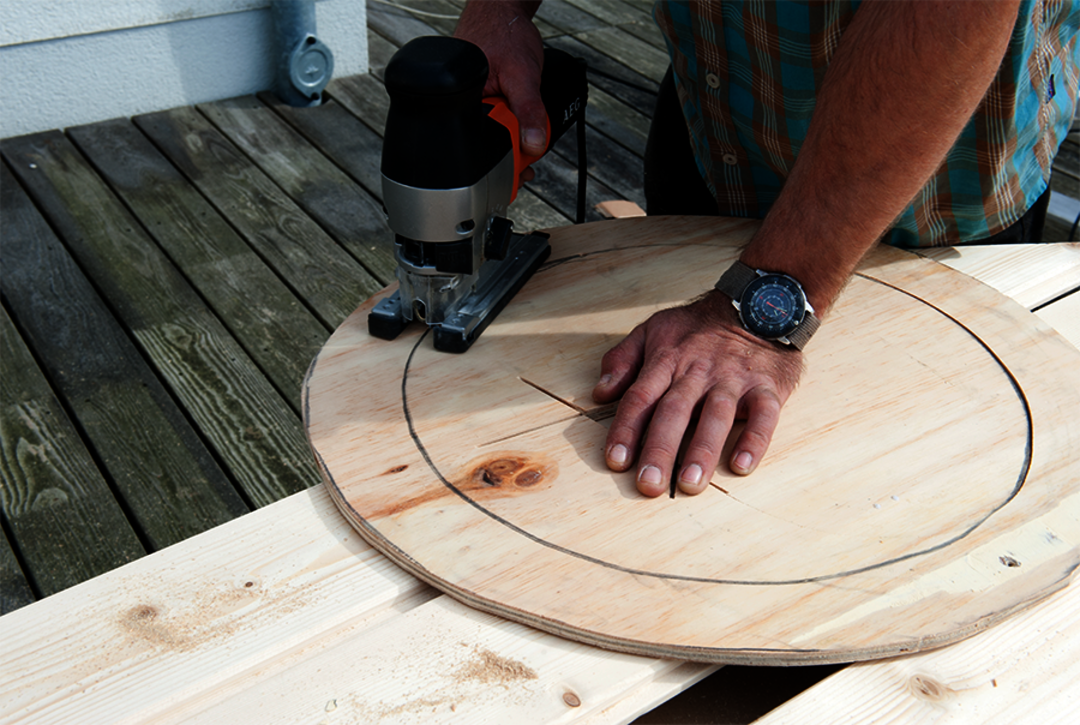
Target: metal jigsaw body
451	165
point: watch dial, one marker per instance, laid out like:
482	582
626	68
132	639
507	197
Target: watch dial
772	306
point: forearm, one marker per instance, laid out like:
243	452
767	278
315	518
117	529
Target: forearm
905	80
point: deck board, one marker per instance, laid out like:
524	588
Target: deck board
15	591
323	275
314	182
68	523
242	417
170	483
279	333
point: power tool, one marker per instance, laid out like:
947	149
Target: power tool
451	165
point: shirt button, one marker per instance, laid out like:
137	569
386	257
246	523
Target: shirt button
712	80
730	159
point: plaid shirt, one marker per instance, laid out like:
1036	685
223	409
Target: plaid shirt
748	71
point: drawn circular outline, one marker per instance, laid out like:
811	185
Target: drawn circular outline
1021	478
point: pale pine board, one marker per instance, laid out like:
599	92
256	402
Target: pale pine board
1032	274
199	619
178	637
866	552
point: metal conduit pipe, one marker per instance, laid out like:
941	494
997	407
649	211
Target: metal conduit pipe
305	64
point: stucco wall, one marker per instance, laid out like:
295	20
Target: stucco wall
69	62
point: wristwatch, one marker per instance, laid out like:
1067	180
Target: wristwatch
771	305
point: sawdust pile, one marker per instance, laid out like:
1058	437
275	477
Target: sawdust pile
489	667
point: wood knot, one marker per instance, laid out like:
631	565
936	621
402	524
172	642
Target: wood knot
1009	561
527	478
927	688
508	473
396	469
571	699
499	471
143	613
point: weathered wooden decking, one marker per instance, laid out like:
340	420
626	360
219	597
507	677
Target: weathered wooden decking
167	279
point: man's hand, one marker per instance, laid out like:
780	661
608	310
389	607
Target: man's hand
515	53
695	358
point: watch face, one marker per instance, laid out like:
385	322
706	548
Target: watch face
772	306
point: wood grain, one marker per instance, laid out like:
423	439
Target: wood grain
247	423
15	591
328	629
170	484
67	521
492	484
1032	274
319	187
323	274
274	327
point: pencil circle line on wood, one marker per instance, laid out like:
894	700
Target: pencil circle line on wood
1021	477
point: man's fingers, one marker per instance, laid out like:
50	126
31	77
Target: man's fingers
703	454
619	366
631	420
763	413
666	429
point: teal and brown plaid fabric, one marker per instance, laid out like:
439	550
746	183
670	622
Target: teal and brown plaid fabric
748	72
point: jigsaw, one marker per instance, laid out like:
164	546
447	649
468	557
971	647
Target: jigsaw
451	166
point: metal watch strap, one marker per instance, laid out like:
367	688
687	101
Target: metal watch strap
734	281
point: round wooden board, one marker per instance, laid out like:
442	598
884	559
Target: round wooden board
922	483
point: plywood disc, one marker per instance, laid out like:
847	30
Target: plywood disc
920	485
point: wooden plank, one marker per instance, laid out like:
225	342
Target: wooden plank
896	551
15	591
567	18
1024	670
628	50
297	248
320	188
444	662
112	667
1032	274
169	482
398	26
56	503
340	135
1057	229
609	163
380	50
1063	315
326	622
275	328
556	181
647	32
366	98
609	12
246	422
179	629
440	15
625	125
329	279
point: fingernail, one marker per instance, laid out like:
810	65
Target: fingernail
649	475
691	474
605	380
742	462
617	454
535	138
